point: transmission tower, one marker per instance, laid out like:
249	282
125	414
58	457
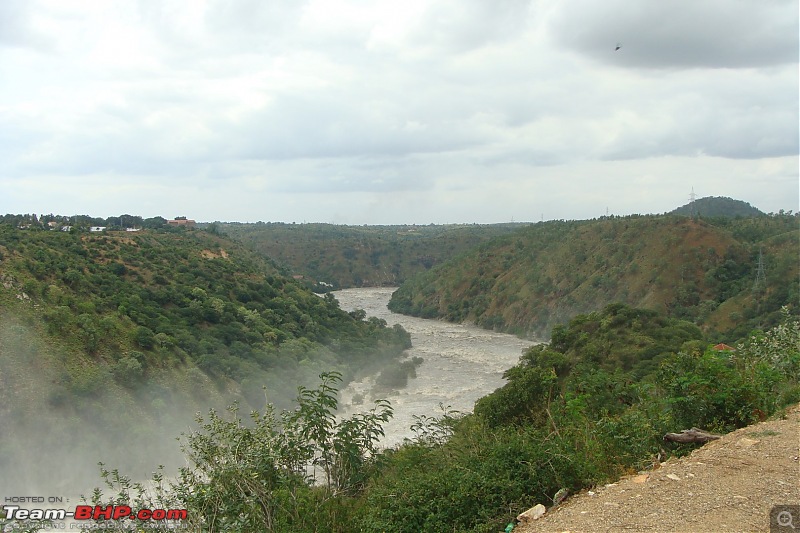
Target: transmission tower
692	198
761	277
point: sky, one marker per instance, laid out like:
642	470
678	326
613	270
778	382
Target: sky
387	112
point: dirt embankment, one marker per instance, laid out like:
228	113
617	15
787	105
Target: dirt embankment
730	484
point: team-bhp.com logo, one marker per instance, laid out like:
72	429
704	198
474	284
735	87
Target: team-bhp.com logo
94	512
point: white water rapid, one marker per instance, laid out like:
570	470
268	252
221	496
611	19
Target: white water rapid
461	364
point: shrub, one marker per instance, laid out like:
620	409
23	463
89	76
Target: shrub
144	337
258	476
128	371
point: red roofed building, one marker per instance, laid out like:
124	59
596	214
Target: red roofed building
182	221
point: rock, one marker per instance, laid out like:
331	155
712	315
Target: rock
641	478
560	496
691	435
534	513
744	442
673	477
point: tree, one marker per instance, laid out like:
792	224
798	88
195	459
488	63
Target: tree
145	337
254	476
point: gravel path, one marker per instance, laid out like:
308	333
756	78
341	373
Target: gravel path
726	485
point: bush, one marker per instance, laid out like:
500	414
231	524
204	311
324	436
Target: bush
128	371
144	337
259	476
523	400
708	391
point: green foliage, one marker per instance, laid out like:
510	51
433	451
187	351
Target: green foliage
396	374
128	371
524	399
192	297
702	270
719	206
144	337
594	420
355	256
707	390
563	421
591	405
435	430
194	321
259	476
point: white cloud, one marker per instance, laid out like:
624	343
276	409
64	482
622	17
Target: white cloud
423	111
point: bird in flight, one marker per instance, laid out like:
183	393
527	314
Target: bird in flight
619	45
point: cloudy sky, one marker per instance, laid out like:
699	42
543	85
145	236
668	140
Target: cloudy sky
380	111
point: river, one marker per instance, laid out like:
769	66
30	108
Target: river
461	364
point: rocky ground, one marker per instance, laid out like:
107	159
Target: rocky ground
730	484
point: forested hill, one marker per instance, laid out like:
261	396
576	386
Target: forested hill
705	270
158	324
718	206
361	256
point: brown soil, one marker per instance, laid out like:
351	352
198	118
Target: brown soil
726	485
208	254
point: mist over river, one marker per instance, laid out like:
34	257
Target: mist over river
462	363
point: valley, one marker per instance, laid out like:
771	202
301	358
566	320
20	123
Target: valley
114	343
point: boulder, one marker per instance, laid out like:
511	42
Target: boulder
534	513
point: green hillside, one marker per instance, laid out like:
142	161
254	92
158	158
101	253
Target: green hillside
106	338
704	270
718	206
360	256
580	412
156	325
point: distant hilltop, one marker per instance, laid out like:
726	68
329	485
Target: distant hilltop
718	206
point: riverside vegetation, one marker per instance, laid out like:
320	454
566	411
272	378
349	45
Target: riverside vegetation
572	415
122	336
703	270
589	406
361	256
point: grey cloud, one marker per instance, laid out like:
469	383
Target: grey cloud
247	101
681	33
334	124
746	139
738	116
346	175
101	143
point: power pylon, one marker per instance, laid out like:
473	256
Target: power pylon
761	276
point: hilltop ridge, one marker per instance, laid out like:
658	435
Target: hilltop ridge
542	275
718	206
